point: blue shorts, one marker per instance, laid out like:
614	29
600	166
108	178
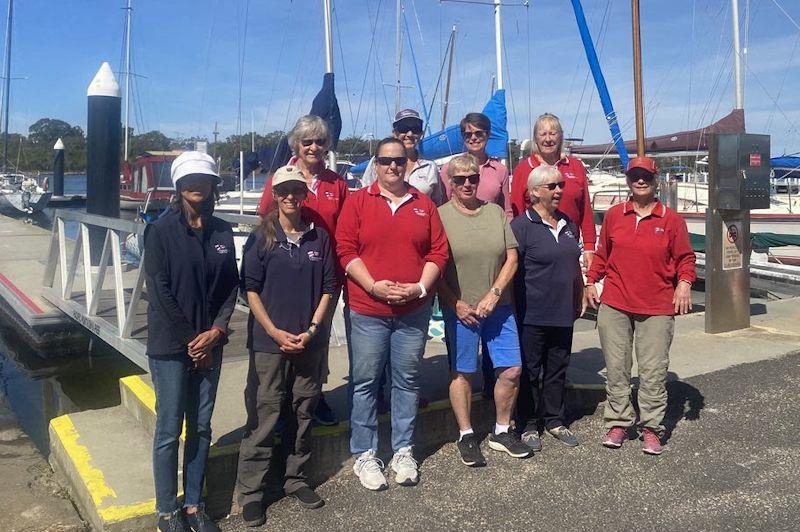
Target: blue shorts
499	331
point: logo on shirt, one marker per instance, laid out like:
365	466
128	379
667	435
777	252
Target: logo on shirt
569	234
571	175
330	195
659	230
314	256
420	212
222	249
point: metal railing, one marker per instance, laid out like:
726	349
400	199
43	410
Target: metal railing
128	284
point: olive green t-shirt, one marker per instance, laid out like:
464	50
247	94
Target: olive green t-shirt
478	244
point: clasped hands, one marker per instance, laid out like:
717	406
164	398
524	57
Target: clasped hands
201	346
290	343
470	315
395	293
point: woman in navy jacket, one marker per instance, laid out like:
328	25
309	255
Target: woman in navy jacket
192	283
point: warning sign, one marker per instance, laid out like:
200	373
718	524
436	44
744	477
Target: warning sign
755	159
732	246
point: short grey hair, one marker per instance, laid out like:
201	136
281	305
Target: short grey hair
309	127
540	174
462	163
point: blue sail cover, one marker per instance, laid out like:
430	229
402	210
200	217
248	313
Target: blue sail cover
324	106
785	162
449	142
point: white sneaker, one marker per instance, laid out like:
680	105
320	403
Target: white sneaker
405	467
368	468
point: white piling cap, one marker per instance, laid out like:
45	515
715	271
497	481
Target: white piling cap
104	83
58	145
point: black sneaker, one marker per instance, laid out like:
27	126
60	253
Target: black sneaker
253	514
201	522
510	443
564	435
323	415
532	440
174	522
307	497
471	454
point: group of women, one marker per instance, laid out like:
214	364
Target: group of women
504	258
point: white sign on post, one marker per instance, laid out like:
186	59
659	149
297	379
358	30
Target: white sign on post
732	258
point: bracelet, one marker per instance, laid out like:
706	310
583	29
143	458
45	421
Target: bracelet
312	329
686	281
424	291
372	288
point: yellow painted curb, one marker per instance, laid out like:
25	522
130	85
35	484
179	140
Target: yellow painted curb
146	395
117	514
92	477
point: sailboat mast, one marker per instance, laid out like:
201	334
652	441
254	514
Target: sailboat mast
7	80
637	78
326	4
398	56
498	44
737	58
449	73
128	13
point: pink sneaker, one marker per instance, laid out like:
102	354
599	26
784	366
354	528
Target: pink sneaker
615	437
651	442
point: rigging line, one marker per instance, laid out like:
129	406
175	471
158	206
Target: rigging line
416	73
774	101
601	38
290	24
439	78
344	70
416	17
793	21
207	67
241	66
510	93
783	81
530	67
485	3
691	66
722	62
369	56
571	86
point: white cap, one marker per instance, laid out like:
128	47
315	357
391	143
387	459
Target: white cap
287	173
104	83
59	145
193	162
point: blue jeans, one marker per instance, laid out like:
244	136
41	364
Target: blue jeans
181	391
373	341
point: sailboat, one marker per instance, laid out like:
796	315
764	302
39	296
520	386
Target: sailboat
17	192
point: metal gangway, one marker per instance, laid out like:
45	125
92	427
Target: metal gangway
109	297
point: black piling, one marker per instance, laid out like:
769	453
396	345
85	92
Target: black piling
103	131
58	169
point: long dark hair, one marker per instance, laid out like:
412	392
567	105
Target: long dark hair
266	229
206	208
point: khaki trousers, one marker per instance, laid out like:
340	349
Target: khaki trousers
652	336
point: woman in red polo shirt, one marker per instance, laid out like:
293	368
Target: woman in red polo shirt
548	137
310	140
648	264
391	243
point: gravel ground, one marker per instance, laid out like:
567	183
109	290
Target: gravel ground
731	462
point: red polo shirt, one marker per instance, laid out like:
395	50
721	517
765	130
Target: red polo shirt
393	246
642	261
575	202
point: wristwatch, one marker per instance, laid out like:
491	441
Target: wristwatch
496	291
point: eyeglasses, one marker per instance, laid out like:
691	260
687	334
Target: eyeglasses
647	177
461	179
552	186
285	189
319	142
405	128
387	161
479	134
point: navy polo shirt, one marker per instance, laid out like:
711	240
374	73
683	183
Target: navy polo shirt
290	280
548	283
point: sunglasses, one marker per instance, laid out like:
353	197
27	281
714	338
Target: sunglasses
647	177
461	179
478	134
405	128
387	161
286	189
552	186
319	142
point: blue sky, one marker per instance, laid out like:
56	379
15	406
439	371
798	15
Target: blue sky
188	54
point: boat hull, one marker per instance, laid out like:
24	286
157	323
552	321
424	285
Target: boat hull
25	202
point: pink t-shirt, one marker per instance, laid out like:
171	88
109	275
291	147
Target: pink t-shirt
493	188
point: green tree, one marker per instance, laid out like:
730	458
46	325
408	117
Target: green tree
48	130
150	141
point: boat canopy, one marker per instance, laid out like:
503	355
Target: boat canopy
785	162
695	140
449	141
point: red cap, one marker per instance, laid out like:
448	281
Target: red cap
645	163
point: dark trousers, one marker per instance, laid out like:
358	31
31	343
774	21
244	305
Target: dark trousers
545	353
270	377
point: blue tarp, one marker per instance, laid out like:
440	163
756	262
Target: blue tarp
449	142
787	162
